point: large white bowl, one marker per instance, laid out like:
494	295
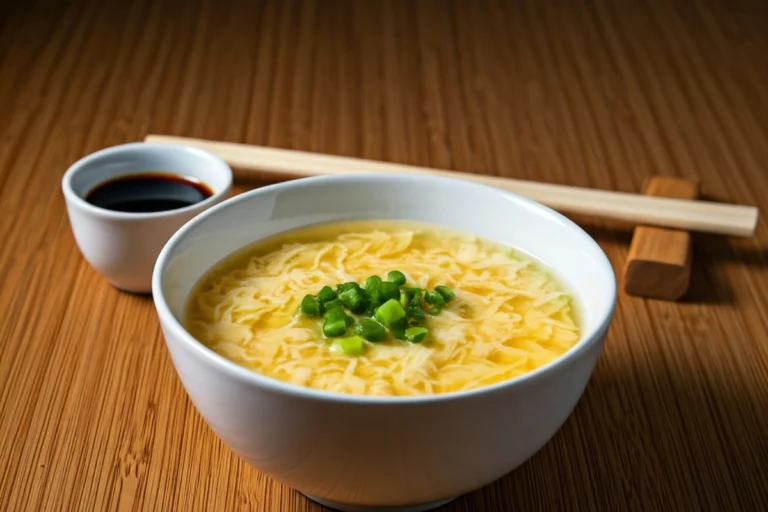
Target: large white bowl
357	452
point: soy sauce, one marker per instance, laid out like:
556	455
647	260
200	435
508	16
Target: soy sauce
148	192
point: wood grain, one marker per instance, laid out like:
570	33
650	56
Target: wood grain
585	93
659	261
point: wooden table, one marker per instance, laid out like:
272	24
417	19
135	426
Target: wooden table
603	94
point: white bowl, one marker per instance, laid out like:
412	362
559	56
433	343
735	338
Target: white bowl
357	452
123	246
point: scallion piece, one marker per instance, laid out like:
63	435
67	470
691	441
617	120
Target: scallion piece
372	283
334	328
352	346
346	286
388	291
374	301
391	315
371	330
396	277
399	334
416	334
434	298
333	304
415	315
326	294
338	314
310	306
413	293
435	310
447	293
353	299
403	299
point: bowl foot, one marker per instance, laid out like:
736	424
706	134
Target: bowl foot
347	507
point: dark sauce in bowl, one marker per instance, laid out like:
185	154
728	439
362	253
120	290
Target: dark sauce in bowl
148	192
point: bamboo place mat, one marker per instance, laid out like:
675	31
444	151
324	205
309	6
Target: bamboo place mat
598	94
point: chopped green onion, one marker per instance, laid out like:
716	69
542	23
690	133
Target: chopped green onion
434	311
447	293
374	301
396	277
353	300
415	315
333	304
347	286
388	291
334	314
338	314
416	334
413	292
434	298
310	306
372	283
391	315
326	294
352	346
399	334
403	299
334	328
371	331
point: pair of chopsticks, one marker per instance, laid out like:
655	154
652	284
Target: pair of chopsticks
703	216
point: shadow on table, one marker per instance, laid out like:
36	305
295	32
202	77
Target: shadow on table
637	440
712	255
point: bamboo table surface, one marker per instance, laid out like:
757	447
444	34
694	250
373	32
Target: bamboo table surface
599	94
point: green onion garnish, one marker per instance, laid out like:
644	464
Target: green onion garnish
397	310
388	291
403	299
396	277
333	304
334	328
391	315
412	293
416	334
434	298
447	293
346	286
399	334
415	315
374	299
371	330
372	283
326	294
352	346
310	306
338	314
353	299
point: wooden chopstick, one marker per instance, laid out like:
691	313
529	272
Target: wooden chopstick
703	216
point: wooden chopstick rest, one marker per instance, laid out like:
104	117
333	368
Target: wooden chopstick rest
659	261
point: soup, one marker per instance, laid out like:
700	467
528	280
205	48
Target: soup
385	308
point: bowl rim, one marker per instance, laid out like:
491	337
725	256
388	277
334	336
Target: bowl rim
233	370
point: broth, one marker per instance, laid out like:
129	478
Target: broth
508	314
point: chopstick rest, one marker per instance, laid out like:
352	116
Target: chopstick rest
659	262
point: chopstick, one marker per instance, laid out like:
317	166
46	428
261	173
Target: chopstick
702	216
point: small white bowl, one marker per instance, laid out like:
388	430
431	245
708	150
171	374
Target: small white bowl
363	452
123	247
